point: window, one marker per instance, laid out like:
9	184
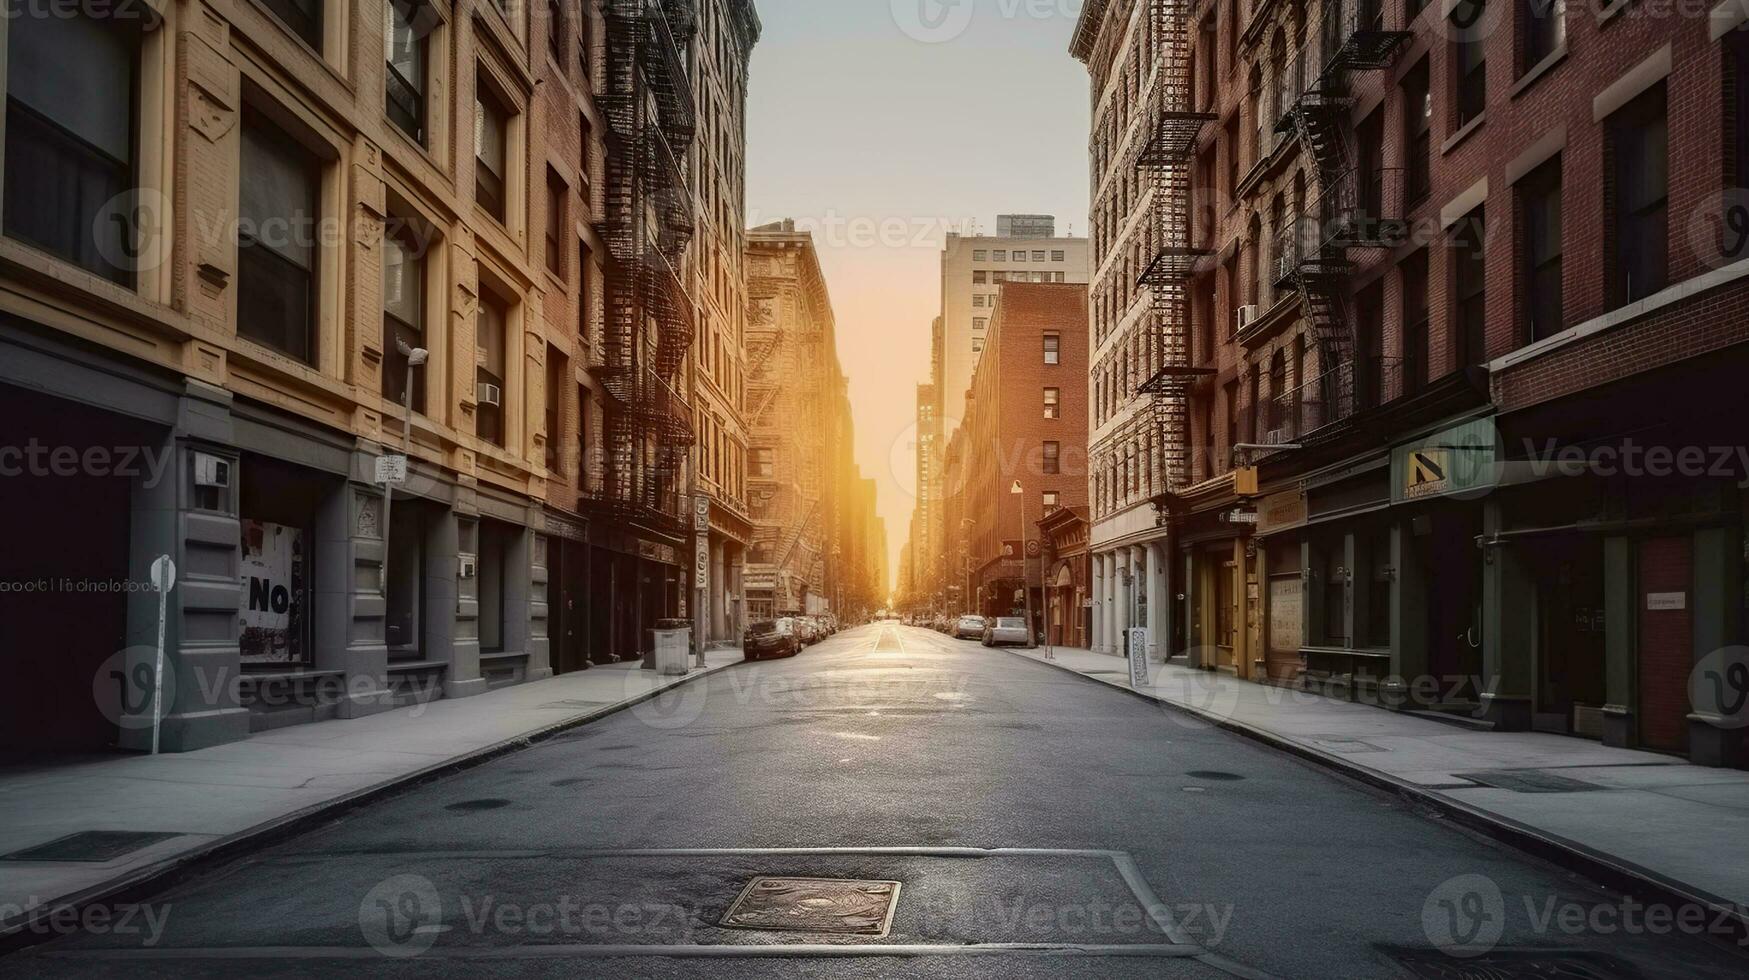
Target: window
1470	283
70	139
1053	403
558	193
403	314
1418	133
585	284
557	372
980	278
1057	256
1001	255
762	464
1053	349
586	158
978	300
977	345
1052	501
556	30
1415	321
491	156
1543	25
1539	195
303	17
1470	82
276	254
980	323
1053	461
491	331
1038	256
1230	395
1638	198
980	255
404	82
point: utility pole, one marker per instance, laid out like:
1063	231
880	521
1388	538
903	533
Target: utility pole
394	473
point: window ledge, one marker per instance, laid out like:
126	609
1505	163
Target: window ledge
1633	311
1463	133
1538	70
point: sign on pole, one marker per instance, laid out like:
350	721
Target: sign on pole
701	565
163	579
701	513
1138	654
391	469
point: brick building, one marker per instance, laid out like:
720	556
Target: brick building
1025	423
316	217
1405	258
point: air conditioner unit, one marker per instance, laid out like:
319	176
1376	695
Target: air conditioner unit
489	394
1246	315
211	471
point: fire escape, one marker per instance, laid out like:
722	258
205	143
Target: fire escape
647	224
1165	160
1314	252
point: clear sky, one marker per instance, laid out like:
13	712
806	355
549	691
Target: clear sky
883	124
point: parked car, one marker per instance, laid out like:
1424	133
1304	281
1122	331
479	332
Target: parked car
807	631
770	638
969	627
1005	630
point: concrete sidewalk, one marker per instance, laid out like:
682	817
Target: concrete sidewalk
216	799
1650	819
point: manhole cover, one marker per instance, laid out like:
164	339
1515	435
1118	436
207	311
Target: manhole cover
474	806
1530	964
95	846
1527	781
818	905
1214	775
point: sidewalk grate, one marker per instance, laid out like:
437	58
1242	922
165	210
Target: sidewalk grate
1527	781
815	905
95	846
1529	964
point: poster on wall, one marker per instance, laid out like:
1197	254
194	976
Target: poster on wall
273	590
1285	612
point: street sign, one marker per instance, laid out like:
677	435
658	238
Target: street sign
701	513
1138	654
701	564
163	579
392	469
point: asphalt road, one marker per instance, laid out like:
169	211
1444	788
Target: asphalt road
1037	824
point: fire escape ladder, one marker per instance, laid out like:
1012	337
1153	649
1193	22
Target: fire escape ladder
647	221
1313	253
1164	161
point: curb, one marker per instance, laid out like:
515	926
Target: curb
138	883
1605	869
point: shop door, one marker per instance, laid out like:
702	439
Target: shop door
1454	604
1570	647
569	611
1666	654
600	600
63	584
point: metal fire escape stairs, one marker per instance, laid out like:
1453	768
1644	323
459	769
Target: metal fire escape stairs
1165	161
1314	258
647	222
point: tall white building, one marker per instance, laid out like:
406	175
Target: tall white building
973	270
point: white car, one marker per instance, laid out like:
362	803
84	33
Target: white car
1006	630
969	627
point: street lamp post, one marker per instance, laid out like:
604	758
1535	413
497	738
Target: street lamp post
1025	586
416	357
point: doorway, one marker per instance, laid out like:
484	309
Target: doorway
1570	634
1454	604
1666	648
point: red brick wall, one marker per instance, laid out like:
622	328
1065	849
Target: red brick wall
1005	424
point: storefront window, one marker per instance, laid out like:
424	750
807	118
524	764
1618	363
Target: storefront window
1334	592
494	545
277	505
